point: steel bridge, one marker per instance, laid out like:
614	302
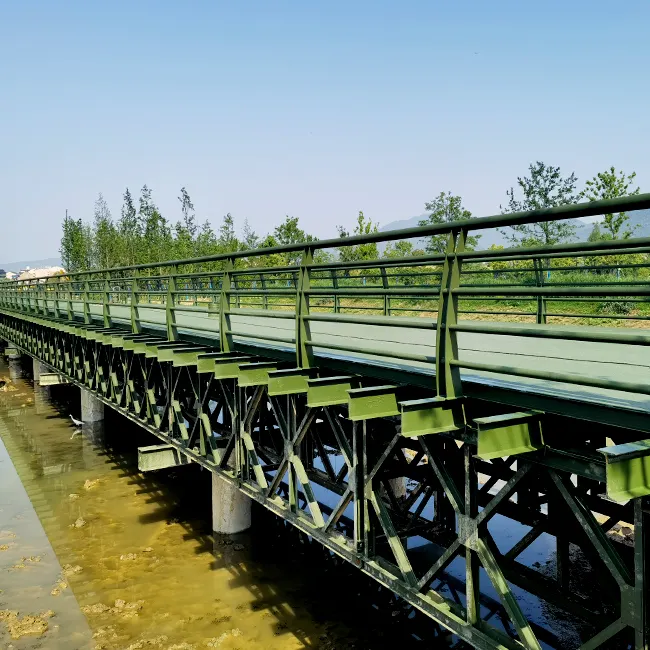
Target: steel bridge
403	412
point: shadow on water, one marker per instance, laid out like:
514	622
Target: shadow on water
146	538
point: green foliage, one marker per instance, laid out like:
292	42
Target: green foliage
105	244
288	232
76	245
611	184
128	230
186	230
250	240
227	241
446	208
361	251
402	248
544	188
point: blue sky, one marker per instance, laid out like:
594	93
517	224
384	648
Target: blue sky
313	109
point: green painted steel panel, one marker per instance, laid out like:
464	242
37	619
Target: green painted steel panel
139	346
628	479
255	374
224	365
509	434
427	416
627	470
329	391
289	382
181	358
162	350
372	402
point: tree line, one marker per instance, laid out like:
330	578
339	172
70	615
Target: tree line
141	234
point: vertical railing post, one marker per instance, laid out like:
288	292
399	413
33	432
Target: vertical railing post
70	305
335	286
541	300
57	286
384	283
136	327
106	306
265	297
86	298
225	337
170	312
304	355
448	382
40	287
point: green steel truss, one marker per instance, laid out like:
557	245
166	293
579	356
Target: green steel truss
328	432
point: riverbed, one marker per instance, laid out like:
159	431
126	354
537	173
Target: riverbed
94	554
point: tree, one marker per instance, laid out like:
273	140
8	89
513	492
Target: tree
76	244
402	248
186	230
611	184
446	208
360	251
544	188
156	240
187	208
105	244
289	232
596	234
206	240
250	240
128	231
227	242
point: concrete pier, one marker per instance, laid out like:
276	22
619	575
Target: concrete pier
12	353
399	487
38	368
15	369
92	409
231	510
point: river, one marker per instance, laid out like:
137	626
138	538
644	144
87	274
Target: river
94	554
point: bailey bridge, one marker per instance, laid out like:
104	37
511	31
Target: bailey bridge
399	411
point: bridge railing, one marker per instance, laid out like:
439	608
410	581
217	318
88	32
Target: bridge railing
427	311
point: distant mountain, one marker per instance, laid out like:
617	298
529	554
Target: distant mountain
639	220
33	264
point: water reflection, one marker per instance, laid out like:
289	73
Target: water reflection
137	556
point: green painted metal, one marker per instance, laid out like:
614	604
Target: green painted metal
255	373
289	382
628	470
509	434
328	391
372	402
431	415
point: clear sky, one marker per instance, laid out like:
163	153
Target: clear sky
315	109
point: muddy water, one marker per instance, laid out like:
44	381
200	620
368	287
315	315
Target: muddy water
97	555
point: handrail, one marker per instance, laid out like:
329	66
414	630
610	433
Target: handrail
430	292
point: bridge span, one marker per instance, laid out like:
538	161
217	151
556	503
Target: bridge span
397	410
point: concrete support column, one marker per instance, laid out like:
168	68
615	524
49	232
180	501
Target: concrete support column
11	352
231	509
15	370
38	368
92	409
398	486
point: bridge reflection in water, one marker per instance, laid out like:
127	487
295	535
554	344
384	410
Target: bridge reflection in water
403	412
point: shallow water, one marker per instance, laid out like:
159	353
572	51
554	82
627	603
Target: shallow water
127	561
